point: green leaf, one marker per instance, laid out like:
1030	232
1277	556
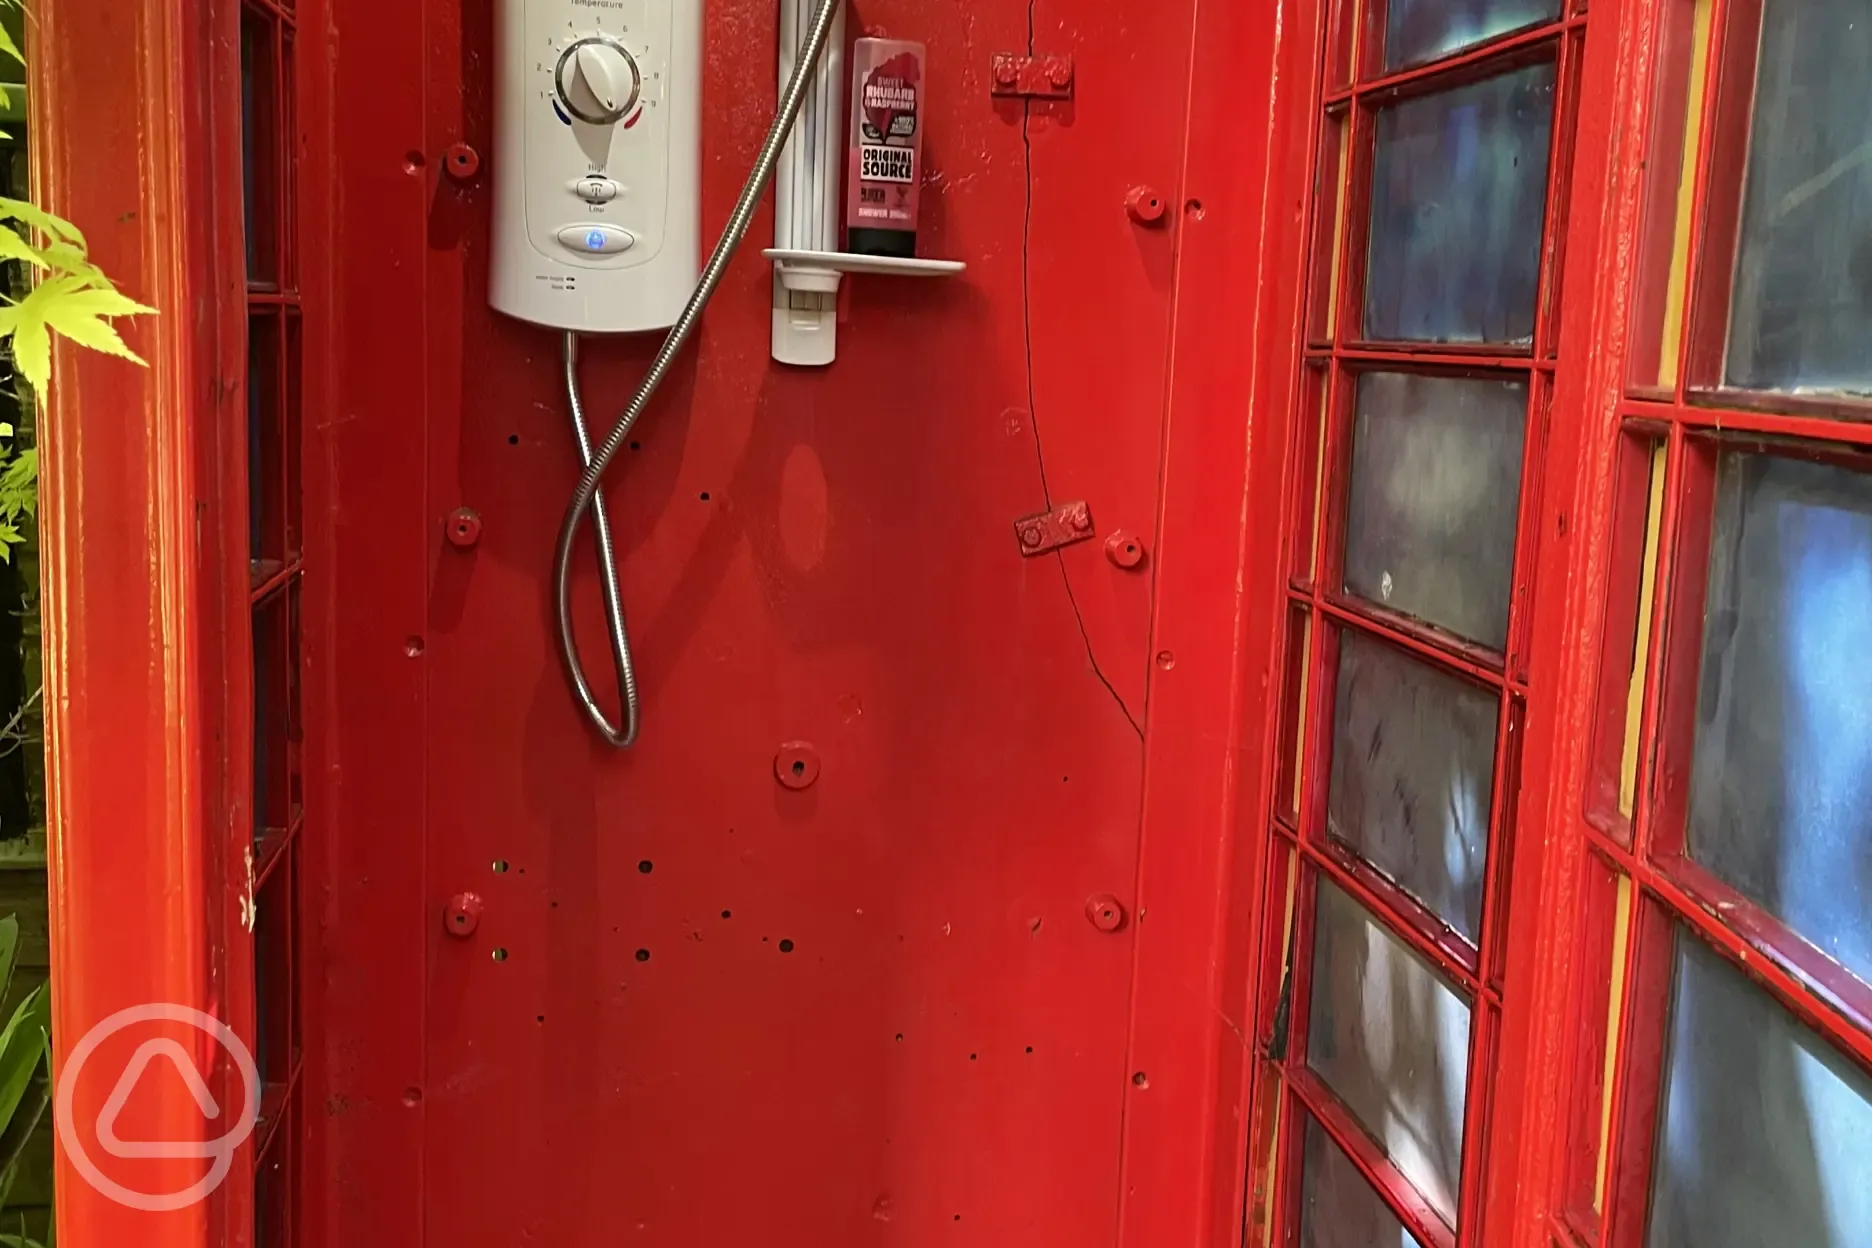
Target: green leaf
23	1045
13	247
76	308
9	951
19	480
32	350
106	301
89	331
9	48
39	218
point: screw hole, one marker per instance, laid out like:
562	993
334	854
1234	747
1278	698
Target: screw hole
1030	1048
973	1056
900	1037
727	914
799	767
1140	1079
705	496
413	646
500	955
643	955
500	866
646	866
636	446
513	439
786	946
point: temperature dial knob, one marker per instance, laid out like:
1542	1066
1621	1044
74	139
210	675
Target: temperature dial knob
598	81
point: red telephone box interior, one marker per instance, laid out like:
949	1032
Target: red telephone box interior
702	1005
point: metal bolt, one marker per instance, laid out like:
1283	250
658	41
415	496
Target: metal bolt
1080	519
1031	536
1005	71
1105	912
464	527
1059	72
796	765
462	162
1124	550
463	915
1145	205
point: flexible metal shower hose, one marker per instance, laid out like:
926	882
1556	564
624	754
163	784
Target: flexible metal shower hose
585	497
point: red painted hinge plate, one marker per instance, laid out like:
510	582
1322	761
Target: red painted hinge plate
1033	77
1050	530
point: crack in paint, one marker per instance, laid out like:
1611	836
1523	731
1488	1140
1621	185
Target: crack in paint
1033	406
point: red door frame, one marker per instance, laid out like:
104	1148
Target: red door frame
142	684
1202	980
134	127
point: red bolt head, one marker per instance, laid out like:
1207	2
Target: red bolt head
462	916
1005	71
1031	536
464	527
1145	205
1124	550
1080	519
1105	912
796	765
1059	72
461	161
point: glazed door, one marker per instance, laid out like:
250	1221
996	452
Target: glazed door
842	952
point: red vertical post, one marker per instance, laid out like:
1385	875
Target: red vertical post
122	96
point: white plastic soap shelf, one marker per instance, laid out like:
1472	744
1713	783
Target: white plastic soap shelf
790	259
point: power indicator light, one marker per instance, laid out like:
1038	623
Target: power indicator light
595	240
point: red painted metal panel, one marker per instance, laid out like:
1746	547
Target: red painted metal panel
872	1009
367	542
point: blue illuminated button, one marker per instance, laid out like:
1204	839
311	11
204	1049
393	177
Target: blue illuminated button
596	240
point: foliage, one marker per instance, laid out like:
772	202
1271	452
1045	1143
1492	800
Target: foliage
25	1071
71	297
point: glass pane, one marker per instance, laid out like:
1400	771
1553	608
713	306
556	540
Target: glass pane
273	662
1459	181
1765	1131
1391	1038
1781	785
271	1183
265	446
1436	479
1802	304
1338	1208
259	147
1423	30
1413	760
274	1050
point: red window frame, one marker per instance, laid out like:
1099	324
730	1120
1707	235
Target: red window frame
269	590
1617	885
1694	104
1340	111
